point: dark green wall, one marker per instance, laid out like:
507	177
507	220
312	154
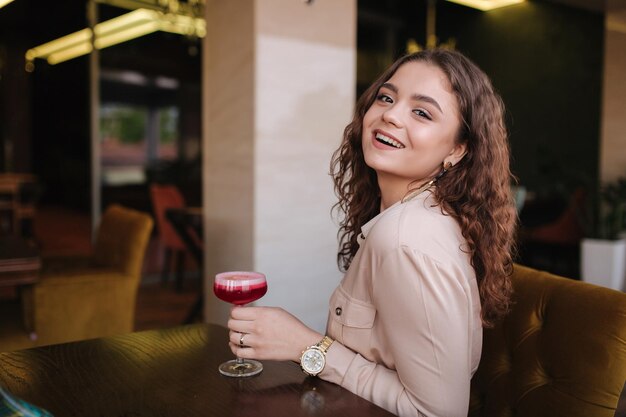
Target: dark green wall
546	60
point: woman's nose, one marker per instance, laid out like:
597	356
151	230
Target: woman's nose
391	116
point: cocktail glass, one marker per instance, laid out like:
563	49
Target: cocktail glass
240	288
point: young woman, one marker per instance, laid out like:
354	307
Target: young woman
423	180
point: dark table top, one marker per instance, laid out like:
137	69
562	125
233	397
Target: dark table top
170	372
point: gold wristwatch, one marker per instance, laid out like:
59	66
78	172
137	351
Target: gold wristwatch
313	358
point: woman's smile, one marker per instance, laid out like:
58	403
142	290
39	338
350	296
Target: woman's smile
384	140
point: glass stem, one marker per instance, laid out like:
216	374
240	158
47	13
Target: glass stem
239	361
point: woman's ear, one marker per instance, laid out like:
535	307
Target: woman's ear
457	153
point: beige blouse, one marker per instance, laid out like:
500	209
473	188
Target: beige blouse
406	316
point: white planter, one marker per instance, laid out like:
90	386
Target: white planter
603	262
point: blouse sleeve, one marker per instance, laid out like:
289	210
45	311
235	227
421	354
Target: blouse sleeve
423	310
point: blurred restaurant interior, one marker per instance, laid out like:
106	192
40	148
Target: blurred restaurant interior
560	66
146	145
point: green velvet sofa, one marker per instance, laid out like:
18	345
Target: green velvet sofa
82	298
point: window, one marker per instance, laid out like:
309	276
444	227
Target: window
133	133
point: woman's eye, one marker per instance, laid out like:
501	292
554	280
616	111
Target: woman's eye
422	113
385	98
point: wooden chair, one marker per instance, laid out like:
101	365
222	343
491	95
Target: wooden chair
18	195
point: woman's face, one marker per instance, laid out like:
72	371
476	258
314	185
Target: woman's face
412	126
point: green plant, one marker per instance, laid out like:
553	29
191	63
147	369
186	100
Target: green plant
609	219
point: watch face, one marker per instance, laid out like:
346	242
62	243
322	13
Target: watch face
313	361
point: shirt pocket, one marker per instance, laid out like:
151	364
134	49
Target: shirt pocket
350	319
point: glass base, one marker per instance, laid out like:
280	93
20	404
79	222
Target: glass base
248	367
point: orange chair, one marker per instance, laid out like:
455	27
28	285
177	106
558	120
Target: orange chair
555	246
166	197
567	228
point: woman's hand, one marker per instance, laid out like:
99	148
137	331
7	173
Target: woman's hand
269	333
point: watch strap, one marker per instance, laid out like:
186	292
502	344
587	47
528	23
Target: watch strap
325	343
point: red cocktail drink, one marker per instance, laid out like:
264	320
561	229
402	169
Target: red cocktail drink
240	288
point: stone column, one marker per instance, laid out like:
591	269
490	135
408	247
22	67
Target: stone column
613	135
279	88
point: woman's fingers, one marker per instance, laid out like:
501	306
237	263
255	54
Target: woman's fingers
243	321
244	353
240	338
268	333
241	326
244	313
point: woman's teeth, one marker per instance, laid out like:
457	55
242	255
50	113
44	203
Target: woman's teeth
388	141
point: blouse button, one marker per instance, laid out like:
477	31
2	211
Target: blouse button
338	311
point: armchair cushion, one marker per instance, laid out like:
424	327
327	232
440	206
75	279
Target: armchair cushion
560	352
92	303
122	239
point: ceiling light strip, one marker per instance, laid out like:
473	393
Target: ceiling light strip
191	8
123	28
123	22
69	53
60	44
113	38
183	25
486	5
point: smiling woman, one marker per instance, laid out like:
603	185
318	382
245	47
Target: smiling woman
422	177
411	127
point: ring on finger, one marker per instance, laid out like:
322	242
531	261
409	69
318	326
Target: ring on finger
241	339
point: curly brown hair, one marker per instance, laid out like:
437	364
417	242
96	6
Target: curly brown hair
476	192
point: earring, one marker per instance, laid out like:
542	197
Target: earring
445	167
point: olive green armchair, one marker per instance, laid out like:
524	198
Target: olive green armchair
560	352
82	298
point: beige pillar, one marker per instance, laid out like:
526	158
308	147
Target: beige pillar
279	89
613	137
